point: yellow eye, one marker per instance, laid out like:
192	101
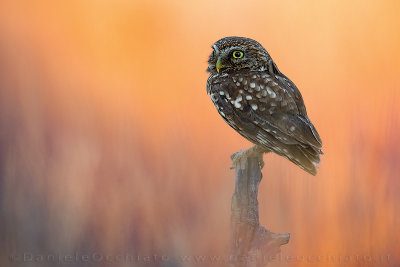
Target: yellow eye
237	54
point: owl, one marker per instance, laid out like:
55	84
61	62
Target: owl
260	102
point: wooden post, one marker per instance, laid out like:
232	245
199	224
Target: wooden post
252	245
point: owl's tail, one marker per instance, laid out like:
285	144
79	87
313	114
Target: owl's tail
305	156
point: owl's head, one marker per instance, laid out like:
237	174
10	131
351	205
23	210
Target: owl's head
231	54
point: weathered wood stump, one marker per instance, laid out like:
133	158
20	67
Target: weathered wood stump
252	244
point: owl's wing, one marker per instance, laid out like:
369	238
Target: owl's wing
271	132
298	128
263	110
288	86
281	109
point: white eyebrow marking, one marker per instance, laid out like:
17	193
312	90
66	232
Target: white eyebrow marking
215	48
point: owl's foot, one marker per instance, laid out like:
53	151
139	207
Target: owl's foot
239	159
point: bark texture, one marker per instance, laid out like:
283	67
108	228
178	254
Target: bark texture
252	244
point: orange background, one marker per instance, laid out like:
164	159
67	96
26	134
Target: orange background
110	144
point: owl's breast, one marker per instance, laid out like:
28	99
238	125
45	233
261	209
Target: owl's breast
251	92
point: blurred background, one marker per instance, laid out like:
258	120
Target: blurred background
111	148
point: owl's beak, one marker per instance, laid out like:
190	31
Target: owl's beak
219	65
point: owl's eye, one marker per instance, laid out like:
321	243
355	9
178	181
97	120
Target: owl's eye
237	54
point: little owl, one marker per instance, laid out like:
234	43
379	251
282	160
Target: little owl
260	102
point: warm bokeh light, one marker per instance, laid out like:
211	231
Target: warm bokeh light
109	143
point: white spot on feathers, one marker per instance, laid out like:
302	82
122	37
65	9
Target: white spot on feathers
254	106
237	102
249	97
271	93
252	85
314	163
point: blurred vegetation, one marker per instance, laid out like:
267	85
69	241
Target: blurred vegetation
110	145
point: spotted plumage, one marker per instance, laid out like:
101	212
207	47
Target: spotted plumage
261	103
